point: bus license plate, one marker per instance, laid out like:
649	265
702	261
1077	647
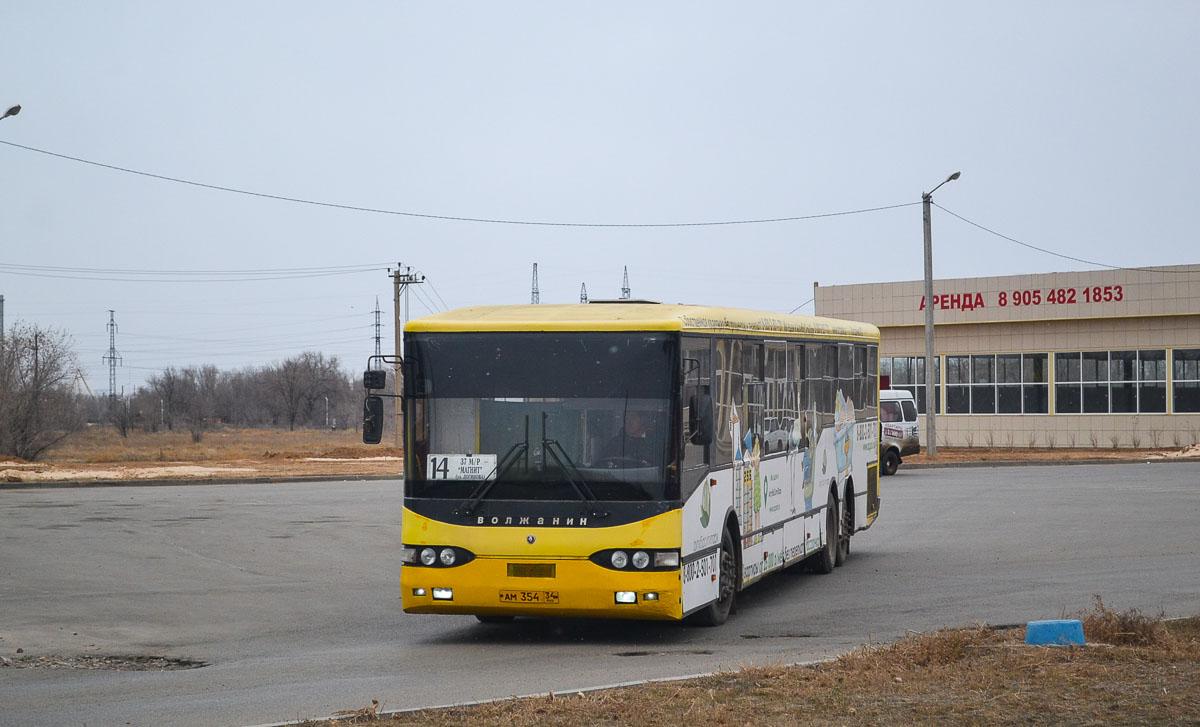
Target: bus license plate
528	596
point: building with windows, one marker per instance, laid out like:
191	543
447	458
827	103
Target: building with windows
1087	359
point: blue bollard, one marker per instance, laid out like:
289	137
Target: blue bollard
1054	633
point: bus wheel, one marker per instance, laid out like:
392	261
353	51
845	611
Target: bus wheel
824	561
717	612
493	618
846	529
891	462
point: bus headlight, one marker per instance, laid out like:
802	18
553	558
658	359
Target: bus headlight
636	560
626	597
435	556
443	594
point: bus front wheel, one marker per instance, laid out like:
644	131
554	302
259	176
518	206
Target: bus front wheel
717	612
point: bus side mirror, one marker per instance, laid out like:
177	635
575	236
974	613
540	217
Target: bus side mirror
700	419
374	379
372	419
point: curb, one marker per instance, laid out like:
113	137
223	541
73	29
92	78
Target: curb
1044	463
66	484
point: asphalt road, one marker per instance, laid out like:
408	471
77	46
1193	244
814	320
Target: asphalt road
289	592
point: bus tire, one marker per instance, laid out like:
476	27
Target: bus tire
846	527
891	462
717	612
825	560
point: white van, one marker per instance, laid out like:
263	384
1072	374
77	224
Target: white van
899	433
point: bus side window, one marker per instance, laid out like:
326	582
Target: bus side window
697	381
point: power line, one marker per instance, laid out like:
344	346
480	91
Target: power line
456	218
439	295
360	267
5	270
1057	254
802	304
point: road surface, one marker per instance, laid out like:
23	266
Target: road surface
289	592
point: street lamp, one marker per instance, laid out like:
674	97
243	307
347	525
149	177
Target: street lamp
930	391
11	112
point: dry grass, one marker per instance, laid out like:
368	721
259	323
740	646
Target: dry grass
102	445
974	676
100	453
1127	628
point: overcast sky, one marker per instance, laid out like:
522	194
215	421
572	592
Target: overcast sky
1074	125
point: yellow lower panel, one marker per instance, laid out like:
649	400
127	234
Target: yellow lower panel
581	589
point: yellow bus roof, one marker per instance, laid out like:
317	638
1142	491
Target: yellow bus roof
640	317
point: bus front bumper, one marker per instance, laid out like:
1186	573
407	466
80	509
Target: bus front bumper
576	588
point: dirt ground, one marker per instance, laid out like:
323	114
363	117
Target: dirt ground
1022	454
1134	670
100	454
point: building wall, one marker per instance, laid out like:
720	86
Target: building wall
1119	310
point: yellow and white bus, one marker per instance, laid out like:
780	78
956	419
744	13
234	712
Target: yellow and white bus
629	460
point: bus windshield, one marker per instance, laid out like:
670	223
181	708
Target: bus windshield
541	416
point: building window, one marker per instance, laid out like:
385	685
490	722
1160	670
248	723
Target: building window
908	373
1006	383
1186	364
1110	382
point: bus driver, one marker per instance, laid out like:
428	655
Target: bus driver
632	445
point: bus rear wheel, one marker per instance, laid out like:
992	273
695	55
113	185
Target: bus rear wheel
717	612
846	527
824	561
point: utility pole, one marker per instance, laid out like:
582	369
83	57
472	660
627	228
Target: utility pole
534	296
113	358
402	277
583	292
931	367
625	285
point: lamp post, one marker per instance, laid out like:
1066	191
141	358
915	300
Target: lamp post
11	112
930	390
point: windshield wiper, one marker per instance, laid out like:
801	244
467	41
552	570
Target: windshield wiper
571	471
510	458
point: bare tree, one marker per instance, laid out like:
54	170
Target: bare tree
169	386
286	383
199	385
37	407
121	416
323	379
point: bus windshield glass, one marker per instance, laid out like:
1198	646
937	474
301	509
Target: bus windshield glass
541	415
